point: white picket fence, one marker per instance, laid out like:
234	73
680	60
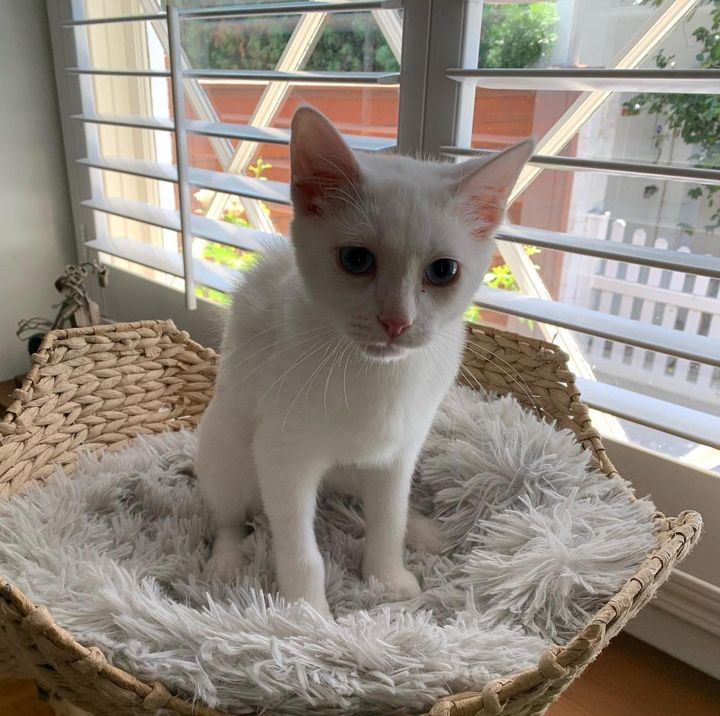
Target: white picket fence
672	299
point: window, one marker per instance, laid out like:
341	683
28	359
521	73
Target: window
680	319
658	314
181	167
715	380
705	323
670	366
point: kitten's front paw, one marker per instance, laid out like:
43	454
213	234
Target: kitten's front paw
225	564
400	585
313	597
319	605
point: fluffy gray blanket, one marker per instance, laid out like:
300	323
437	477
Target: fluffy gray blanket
535	542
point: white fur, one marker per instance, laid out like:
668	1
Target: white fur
534	542
310	390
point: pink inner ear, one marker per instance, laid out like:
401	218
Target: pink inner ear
483	213
310	190
322	164
485	184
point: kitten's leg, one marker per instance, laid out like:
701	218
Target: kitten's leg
289	482
386	491
422	531
228	484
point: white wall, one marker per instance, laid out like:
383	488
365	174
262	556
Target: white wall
36	239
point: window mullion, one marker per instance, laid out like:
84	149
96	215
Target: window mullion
432	38
184	199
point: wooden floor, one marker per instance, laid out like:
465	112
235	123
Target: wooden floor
629	679
19	698
6	389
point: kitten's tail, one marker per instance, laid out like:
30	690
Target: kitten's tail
423	533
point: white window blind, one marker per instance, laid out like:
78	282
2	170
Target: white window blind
631	298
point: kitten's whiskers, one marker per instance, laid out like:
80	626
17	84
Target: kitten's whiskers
301	359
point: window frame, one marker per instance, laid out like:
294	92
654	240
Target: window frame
432	38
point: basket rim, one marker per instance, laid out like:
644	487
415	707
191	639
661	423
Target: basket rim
41	357
680	534
676	536
585	432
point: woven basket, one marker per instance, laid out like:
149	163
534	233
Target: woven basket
100	387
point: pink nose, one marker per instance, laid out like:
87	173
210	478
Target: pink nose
393	326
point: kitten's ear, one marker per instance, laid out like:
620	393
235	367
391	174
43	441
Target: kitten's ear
320	161
484	184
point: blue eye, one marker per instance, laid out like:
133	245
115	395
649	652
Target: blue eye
441	272
357	260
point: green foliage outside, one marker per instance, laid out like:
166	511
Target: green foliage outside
517	35
347	45
695	118
229	256
501	276
512	36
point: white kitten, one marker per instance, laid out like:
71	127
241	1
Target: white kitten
340	347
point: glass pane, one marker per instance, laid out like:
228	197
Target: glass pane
315	41
346	42
588	205
125	45
686	450
343	42
678	131
114	8
581	34
110	8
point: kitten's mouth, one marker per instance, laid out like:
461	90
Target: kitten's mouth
383	351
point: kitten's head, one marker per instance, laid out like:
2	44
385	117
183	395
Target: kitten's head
392	249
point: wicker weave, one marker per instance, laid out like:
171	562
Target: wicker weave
100	387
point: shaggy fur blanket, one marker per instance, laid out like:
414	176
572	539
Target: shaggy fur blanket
534	542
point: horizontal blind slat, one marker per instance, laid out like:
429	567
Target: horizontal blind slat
127	120
156	257
136	167
701	81
272	191
137	211
662	415
117	72
265	135
287	8
104	20
696	175
624	330
698	264
222	232
298	77
275	135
